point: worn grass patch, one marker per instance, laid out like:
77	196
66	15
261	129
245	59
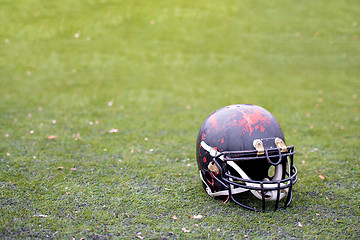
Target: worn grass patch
121	88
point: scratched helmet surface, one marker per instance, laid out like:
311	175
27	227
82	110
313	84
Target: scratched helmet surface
242	156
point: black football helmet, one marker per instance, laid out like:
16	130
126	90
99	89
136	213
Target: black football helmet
241	149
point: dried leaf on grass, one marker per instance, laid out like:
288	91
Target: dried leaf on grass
138	235
185	230
41	215
322	177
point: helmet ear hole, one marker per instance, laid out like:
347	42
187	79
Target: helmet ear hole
271	171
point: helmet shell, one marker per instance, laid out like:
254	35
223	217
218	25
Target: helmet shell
234	128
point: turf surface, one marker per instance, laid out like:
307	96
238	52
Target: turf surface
101	102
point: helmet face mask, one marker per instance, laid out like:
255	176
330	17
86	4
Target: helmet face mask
241	150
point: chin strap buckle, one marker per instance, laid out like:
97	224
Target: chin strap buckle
213	168
280	144
259	146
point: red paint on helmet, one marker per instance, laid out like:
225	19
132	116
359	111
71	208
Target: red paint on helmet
262	129
204	159
212	183
213	122
257	119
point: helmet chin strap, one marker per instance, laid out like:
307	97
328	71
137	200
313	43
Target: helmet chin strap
270	195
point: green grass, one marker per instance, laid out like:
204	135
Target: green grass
165	66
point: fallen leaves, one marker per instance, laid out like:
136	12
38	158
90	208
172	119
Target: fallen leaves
40	215
62	168
52	137
185	230
91	123
192	217
322	177
314	150
139	235
76	136
113	130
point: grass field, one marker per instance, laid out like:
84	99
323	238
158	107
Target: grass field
121	88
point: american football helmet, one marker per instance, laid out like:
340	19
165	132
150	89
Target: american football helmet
242	156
